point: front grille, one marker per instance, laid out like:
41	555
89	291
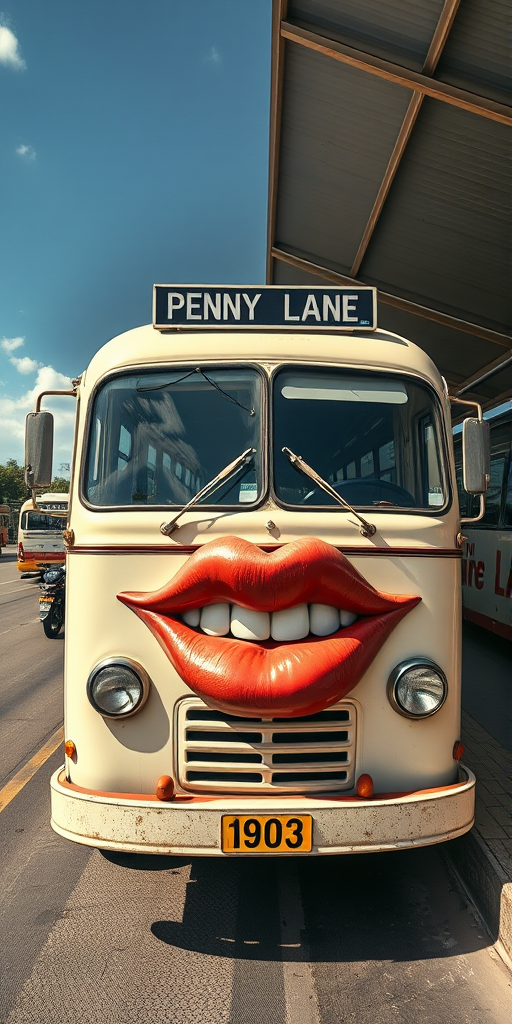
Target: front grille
220	752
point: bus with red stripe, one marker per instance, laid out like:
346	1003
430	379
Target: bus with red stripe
487	545
40	541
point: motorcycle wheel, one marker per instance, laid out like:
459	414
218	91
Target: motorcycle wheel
52	624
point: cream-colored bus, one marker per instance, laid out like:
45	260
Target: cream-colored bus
40	543
263	589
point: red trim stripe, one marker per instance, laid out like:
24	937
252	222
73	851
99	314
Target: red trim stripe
154	549
45	556
500	628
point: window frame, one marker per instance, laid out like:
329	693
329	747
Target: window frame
432	512
181	366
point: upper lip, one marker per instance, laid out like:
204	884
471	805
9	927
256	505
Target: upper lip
293	678
238	572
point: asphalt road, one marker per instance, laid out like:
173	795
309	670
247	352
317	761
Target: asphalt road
99	938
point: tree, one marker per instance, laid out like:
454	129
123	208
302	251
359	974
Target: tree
13	489
12	483
59	483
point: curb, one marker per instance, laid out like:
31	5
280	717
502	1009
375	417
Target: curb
487	883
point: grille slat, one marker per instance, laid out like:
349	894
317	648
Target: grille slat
265	748
267	725
228	754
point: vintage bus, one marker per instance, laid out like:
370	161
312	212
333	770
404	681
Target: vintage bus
487	551
4	525
40	541
263	588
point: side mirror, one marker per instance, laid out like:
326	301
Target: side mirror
38	449
475	456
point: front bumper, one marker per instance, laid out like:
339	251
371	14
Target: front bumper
191	826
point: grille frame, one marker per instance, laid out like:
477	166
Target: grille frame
342	719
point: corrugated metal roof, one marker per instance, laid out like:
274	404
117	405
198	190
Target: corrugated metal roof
477	55
444	235
399	30
433	229
332	148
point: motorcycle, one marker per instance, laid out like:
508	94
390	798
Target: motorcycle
52	600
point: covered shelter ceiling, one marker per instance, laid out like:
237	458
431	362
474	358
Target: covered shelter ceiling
390	165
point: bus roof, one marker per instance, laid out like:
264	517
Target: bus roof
46	499
146	346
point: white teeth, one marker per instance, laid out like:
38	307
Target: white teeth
215	619
323	619
291	623
192	617
347	618
247	624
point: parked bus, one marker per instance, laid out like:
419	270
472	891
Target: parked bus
4	524
262	651
40	541
487	552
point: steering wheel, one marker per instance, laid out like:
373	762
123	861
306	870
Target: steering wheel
366	491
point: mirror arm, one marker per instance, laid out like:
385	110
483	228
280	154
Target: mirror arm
481	513
463	401
43	393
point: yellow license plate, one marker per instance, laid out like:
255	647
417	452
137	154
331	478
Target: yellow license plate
262	833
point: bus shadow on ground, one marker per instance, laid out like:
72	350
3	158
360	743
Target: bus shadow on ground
386	907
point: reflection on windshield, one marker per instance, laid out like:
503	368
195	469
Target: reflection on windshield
373	437
156	439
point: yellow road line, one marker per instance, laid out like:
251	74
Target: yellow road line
30	768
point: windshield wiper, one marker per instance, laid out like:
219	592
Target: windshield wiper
367	529
168	528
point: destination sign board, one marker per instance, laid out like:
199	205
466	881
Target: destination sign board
264	307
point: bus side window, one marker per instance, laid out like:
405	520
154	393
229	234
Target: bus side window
507	515
124	449
432	484
493	497
151	472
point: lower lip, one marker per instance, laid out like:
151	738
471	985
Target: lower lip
270	678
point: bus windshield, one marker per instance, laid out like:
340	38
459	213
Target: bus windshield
170	433
372	436
42	521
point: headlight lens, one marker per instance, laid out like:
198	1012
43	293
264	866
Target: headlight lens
117	688
417	688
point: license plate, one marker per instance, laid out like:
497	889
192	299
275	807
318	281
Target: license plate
261	833
45	603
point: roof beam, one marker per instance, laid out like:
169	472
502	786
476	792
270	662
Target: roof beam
394	300
279	10
394	73
485	373
435	50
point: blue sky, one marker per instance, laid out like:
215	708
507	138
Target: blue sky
134	149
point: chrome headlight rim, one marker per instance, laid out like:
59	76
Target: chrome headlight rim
137	669
395	678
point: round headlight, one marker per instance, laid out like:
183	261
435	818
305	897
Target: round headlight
417	688
117	687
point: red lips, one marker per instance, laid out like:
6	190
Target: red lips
267	678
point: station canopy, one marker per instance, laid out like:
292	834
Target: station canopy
390	165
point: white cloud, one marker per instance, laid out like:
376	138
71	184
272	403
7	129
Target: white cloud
14	410
214	56
25	364
27	152
10	344
9	50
